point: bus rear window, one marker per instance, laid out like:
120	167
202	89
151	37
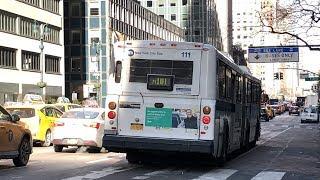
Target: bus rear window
181	70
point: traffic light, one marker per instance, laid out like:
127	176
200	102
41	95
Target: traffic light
281	75
275	76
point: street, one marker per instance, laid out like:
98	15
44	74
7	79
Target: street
287	150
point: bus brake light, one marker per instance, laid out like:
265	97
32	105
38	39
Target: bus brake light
206	119
111	114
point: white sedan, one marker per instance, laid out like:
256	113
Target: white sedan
79	127
310	114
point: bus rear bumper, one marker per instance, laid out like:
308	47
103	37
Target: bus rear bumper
124	144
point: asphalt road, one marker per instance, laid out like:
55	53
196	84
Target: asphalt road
287	150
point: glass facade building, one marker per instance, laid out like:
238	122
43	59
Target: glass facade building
91	28
198	18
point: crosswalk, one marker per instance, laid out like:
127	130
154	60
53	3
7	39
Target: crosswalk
132	172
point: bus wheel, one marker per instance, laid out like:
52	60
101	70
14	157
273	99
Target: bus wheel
133	157
224	156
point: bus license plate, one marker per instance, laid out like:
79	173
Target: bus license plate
72	141
136	127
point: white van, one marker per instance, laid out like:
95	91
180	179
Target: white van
311	114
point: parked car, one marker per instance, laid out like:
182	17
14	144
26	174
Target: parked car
15	139
39	118
276	109
270	112
294	110
263	114
310	114
80	127
66	106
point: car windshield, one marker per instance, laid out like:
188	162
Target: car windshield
80	114
22	112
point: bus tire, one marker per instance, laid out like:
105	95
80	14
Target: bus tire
247	143
224	156
133	158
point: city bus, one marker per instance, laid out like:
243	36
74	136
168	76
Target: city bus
179	97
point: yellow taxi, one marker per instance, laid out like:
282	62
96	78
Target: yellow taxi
270	112
66	106
15	139
40	119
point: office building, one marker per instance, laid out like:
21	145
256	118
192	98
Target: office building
199	18
22	24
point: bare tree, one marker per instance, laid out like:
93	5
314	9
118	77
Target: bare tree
298	19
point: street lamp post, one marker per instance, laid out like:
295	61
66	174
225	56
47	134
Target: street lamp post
96	46
43	31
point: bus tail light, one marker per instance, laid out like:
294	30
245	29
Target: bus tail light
206	119
112	105
206	110
111	114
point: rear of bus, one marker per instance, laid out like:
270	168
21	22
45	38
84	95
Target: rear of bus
154	101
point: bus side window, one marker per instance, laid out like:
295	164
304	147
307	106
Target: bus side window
118	71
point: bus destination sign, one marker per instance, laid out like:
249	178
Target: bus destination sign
160	82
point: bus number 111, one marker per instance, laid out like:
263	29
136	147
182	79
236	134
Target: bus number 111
186	54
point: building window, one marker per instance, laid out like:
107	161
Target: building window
53	35
149	3
75	9
172	4
32	2
173	17
184	2
7	57
161	15
30	61
51	5
52	64
161	5
94	11
7	22
75	65
26	28
75	35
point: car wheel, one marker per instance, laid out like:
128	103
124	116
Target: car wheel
57	148
47	140
24	153
94	149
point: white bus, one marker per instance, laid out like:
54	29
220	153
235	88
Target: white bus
179	97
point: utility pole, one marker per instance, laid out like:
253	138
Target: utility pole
96	46
43	31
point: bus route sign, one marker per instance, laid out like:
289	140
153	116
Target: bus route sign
273	54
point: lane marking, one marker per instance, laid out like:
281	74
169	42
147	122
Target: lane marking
153	173
100	174
217	174
99	160
266	175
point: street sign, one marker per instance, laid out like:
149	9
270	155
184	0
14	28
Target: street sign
272	54
312	79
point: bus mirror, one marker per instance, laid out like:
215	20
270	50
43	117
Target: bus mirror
118	71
